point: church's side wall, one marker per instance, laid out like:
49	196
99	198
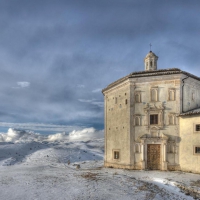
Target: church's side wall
117	128
189	161
191	94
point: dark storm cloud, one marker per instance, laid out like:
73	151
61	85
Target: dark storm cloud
55	56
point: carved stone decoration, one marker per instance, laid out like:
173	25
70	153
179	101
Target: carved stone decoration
154	110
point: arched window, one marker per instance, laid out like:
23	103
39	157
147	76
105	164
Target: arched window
171	119
153	95
137	98
137	121
170	148
137	148
171	95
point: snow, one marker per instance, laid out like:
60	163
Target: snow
70	166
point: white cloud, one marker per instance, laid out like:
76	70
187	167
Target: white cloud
23	84
86	100
21	136
40	127
87	133
80	86
100	104
97	90
93	102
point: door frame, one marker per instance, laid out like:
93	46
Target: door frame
163	151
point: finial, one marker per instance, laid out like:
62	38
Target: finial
150	46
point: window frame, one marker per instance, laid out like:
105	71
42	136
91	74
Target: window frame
156	94
194	150
173	90
172	116
115	152
156	119
138	93
195	128
139	120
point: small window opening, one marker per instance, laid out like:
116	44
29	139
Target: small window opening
197	150
151	63
193	96
126	101
197	127
116	154
153	119
115	100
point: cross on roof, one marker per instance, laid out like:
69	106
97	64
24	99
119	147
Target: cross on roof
150	46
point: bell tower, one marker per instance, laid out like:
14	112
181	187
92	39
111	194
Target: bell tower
150	61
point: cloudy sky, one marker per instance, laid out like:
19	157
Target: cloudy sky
57	55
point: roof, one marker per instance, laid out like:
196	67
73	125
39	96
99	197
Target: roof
151	73
191	112
151	54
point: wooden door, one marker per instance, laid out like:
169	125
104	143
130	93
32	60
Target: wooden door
153	156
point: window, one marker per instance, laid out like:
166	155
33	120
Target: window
137	121
197	127
126	101
151	63
154	93
137	148
197	150
115	100
193	96
153	119
171	95
116	154
138	97
171	119
170	148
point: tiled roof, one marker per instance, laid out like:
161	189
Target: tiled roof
151	73
192	112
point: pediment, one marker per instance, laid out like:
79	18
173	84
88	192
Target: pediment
160	136
154	107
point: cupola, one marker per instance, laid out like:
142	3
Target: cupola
150	61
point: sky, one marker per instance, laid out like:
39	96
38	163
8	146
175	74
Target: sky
57	55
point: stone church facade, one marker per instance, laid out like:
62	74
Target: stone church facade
148	119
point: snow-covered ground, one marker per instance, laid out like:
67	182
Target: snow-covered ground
60	166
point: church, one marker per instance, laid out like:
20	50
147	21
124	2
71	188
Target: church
152	120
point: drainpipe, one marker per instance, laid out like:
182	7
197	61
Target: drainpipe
182	91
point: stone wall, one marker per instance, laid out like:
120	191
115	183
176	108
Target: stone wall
117	125
189	161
